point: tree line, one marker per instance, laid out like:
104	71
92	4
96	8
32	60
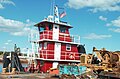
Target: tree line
1	52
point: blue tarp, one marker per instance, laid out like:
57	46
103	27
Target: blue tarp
71	69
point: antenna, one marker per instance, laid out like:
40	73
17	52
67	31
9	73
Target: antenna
51	7
56	14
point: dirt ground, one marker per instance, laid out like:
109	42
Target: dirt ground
29	76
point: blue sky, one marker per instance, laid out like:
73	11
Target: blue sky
96	21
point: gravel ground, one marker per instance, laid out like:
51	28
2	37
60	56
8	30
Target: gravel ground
29	76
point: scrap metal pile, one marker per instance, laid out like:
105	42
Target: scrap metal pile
102	61
101	64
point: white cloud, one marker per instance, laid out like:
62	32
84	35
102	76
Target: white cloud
10	23
28	20
95	36
115	23
9	40
102	18
15	27
117	30
4	47
2	2
1	6
6	43
108	24
95	5
24	32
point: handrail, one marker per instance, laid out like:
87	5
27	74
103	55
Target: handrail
49	54
62	36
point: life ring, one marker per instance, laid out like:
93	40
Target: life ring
71	56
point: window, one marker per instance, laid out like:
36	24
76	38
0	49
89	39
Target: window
45	45
40	46
42	29
50	26
62	29
68	47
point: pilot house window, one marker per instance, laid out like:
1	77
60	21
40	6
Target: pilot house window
62	29
50	26
42	29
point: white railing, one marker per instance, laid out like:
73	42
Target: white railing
49	54
26	56
33	36
46	35
69	38
62	37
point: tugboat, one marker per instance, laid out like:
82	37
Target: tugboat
56	45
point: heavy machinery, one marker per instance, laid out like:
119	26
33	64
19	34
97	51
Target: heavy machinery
12	64
102	61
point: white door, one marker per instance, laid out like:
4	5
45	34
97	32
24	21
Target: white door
55	64
57	51
55	32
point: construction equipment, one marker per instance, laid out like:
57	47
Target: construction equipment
12	64
108	58
101	61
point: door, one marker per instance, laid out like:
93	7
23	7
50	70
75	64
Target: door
57	51
55	64
55	32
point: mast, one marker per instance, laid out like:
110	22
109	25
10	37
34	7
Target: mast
56	14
